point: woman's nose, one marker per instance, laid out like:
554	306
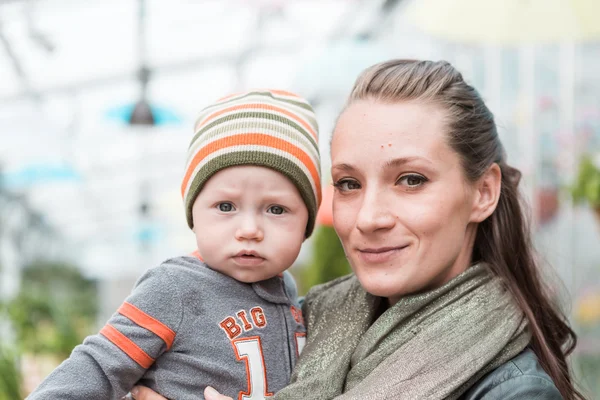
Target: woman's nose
249	229
374	213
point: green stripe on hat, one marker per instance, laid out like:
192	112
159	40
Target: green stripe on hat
278	99
251	116
259	122
261	159
282	130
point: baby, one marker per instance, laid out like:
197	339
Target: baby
227	315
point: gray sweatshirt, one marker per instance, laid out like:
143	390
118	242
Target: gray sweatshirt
186	326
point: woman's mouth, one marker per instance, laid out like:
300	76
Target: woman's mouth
380	255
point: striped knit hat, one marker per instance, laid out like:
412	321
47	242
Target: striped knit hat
269	128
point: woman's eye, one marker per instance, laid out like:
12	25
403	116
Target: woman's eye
346	185
276	210
412	180
225	207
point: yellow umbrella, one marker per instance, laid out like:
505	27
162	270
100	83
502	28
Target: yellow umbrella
588	309
507	22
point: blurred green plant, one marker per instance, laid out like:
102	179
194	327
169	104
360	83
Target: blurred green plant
587	184
54	310
42	325
328	260
10	375
63	283
586	369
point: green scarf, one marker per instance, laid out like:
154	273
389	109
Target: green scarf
433	345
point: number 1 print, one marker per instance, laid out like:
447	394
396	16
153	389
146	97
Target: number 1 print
250	350
300	342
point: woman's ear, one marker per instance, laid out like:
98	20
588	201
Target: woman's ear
487	193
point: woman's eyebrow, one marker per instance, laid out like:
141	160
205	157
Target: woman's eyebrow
343	167
397	162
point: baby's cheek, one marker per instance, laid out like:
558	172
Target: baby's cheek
291	227
209	241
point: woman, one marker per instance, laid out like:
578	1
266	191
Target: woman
446	300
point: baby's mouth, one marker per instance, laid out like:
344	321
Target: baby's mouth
248	258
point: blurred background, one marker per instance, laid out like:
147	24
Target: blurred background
98	99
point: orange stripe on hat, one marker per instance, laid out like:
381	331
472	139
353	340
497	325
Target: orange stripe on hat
284	93
229	96
265	107
237	130
146	321
127	346
254	139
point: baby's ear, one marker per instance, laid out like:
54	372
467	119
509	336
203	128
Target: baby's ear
194	224
487	193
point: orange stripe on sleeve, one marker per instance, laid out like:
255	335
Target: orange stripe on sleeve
253	139
146	321
127	346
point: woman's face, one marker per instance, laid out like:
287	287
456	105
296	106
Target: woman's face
402	207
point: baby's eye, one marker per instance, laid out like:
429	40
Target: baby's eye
412	180
345	185
276	210
225	207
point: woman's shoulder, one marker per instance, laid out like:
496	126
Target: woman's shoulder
519	378
331	288
328	295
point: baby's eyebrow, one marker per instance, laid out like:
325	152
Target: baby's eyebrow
227	191
279	194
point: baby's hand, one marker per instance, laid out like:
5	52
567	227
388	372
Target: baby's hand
143	393
212	394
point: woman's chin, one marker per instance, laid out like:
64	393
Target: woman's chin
384	285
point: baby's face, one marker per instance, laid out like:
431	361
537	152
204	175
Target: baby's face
249	222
